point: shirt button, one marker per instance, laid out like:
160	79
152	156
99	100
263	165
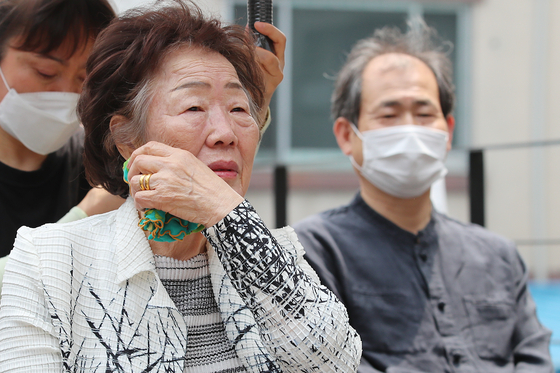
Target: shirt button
423	257
441	306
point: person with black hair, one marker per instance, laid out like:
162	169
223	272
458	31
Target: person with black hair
44	46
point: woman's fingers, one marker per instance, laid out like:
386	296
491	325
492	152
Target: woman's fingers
276	36
175	181
152	162
151	148
154	156
272	64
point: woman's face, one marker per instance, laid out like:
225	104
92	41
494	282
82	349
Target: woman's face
37	72
199	106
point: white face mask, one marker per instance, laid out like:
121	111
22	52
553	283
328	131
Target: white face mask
403	161
42	121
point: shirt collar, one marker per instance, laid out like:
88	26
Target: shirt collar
368	212
428	234
133	251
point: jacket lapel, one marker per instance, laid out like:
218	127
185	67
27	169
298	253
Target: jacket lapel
152	316
133	252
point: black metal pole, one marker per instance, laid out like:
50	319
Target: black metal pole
476	186
281	195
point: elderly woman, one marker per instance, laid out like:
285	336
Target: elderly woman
185	276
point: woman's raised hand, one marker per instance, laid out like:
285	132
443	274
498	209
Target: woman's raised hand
179	184
272	64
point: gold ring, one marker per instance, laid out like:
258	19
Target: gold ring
147	181
142	182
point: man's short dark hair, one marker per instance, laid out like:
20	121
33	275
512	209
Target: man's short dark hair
44	25
420	41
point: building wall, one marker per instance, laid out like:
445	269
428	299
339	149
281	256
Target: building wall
516	51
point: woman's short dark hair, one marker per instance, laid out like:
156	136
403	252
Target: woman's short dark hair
126	57
44	25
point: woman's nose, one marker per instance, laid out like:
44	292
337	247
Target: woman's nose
222	129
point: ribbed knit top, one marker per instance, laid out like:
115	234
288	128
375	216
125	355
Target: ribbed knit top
189	286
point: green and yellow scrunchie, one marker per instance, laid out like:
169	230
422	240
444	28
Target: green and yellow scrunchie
163	226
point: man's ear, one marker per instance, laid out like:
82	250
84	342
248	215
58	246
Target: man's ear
117	126
450	119
343	133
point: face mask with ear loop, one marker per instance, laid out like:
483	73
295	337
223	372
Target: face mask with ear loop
42	121
403	160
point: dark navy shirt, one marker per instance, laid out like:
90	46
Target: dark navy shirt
452	298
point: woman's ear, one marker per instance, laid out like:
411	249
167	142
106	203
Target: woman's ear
117	126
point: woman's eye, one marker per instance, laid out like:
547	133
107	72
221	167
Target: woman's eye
238	109
45	75
194	108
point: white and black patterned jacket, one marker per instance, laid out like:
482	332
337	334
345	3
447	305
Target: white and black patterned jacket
85	297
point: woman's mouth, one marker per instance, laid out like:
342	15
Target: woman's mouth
225	169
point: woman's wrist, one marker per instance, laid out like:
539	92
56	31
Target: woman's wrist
225	206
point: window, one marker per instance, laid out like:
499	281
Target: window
320	34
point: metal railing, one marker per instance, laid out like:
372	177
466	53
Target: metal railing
477	194
476	175
281	195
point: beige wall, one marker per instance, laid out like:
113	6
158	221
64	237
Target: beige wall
516	80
